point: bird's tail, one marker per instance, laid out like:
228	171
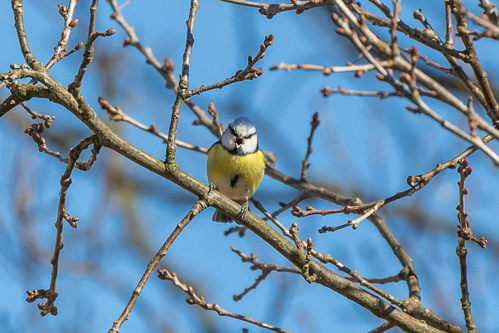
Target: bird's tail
218	216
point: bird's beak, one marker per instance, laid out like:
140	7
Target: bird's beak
239	141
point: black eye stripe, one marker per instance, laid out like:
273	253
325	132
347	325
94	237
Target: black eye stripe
232	131
249	136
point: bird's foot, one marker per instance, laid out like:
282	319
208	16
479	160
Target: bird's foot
244	210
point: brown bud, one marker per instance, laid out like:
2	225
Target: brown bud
310	243
488	33
169	65
362	19
250	59
380	76
103	103
429	34
191	290
358	74
270	16
299	11
462	30
340	31
363	39
406	78
327	70
153	128
63	11
110	32
126	42
189	301
253	256
73	23
53	311
79	46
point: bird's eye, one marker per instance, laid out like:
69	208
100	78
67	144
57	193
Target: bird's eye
249	136
232	131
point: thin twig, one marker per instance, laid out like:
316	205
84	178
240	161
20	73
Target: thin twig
482	22
269	10
326	258
117	114
35	132
249	73
46	118
491	11
285	206
164	274
51	294
326	91
305	165
69	24
462	27
259	206
457	69
165	71
413	95
330	70
88	54
265	268
182	87
464	172
330	196
383	328
17	7
449	28
195	210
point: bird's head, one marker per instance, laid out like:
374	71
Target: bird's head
240	137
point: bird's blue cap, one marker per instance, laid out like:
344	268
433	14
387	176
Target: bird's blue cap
243	121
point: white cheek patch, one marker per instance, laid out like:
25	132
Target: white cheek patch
228	140
249	145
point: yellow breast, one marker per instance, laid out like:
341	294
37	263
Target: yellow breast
236	176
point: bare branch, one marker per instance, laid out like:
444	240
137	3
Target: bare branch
305	165
62	213
249	73
183	86
164	274
116	114
165	71
195	210
265	268
269	10
464	232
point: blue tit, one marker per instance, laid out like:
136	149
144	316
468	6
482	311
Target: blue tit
236	165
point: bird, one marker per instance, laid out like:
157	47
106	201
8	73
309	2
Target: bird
236	165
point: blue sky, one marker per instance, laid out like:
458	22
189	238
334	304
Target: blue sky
364	146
